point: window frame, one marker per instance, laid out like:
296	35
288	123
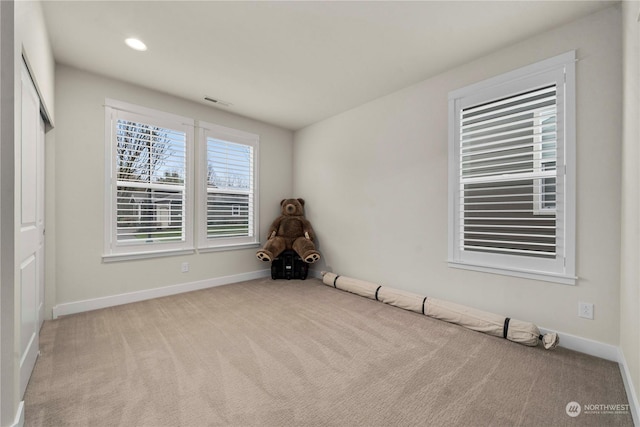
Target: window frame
539	163
118	251
205	244
561	69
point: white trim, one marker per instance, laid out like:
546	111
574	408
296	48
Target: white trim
628	386
523	72
586	346
534	275
568	341
235	136
608	352
560	269
145	111
229	247
114	110
18	421
144	255
229	134
314	274
570	162
129	297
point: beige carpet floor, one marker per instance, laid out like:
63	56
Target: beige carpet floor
298	353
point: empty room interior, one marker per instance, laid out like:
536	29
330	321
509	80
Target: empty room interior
320	213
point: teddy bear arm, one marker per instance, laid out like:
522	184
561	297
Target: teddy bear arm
273	230
308	230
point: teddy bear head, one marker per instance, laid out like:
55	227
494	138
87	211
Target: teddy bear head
292	207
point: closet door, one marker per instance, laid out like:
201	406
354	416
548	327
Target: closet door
30	224
40	258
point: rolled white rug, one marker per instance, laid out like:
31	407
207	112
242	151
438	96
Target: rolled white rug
490	323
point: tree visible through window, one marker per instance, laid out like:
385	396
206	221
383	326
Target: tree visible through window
148	201
229	188
230	208
150	197
150	188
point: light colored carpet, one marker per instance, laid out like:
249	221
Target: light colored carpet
298	353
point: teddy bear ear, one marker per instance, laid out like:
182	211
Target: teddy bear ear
301	201
282	202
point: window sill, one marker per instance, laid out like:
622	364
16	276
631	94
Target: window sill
225	248
131	256
525	274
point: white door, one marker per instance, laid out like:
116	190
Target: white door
30	218
40	258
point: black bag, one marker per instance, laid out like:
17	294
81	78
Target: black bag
289	266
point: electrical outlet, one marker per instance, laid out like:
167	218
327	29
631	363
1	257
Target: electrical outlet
185	267
585	310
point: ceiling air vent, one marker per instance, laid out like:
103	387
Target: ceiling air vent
218	101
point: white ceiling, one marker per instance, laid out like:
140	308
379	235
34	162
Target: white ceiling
291	63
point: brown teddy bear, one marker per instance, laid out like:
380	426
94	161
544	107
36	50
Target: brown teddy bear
291	230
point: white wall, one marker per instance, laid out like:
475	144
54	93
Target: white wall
630	254
32	41
375	179
8	332
79	191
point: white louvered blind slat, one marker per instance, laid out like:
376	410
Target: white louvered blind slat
507	166
150	173
230	189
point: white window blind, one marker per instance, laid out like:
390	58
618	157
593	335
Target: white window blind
511	199
504	185
151	166
230	187
148	196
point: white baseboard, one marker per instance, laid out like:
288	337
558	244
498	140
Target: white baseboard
628	386
129	297
608	352
18	421
587	346
590	347
315	274
571	342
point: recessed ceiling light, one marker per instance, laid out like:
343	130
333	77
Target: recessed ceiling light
136	44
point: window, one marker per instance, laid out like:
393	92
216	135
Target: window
148	199
229	214
512	179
